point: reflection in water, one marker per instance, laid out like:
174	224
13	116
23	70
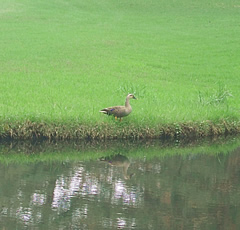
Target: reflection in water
177	192
121	162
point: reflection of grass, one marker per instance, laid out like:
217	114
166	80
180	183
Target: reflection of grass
85	56
75	152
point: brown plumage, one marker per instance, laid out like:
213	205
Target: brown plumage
120	111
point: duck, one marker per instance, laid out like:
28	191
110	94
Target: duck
120	111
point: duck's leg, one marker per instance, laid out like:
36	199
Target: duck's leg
120	119
115	117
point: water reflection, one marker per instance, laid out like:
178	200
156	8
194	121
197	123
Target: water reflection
175	192
119	161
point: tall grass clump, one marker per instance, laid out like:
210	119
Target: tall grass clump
218	97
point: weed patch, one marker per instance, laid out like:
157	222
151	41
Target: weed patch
217	97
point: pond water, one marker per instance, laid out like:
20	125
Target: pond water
183	188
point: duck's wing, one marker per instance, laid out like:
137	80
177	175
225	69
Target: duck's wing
112	110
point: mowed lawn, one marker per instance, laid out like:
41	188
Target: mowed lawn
64	60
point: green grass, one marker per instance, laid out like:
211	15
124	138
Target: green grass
63	61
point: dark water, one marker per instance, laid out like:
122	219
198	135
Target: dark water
190	191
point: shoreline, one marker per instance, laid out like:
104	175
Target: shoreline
29	130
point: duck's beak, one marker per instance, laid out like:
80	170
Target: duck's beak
134	97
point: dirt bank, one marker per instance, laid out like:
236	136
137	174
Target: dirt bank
34	130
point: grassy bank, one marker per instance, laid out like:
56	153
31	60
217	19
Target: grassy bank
119	131
63	61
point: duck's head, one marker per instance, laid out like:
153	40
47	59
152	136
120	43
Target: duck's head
131	96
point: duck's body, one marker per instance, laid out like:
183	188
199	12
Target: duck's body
120	111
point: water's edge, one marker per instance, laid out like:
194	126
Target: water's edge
21	151
29	130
